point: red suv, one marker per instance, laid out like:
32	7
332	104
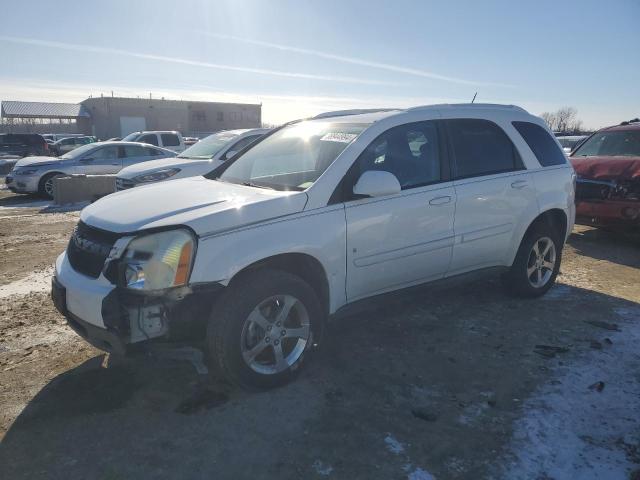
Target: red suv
608	184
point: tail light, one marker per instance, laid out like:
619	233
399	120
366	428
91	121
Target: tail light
46	147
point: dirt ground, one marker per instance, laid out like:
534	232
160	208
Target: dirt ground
453	382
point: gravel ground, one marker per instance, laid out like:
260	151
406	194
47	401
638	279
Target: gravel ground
457	382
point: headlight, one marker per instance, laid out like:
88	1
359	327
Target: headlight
156	176
25	171
159	260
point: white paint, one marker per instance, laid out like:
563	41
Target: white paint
34	282
322	469
393	445
570	431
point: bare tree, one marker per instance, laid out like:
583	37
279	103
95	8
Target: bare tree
563	120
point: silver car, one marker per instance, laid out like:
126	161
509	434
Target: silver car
36	174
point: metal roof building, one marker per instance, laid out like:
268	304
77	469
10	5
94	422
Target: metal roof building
16	109
107	117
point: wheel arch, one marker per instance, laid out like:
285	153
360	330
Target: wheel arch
302	265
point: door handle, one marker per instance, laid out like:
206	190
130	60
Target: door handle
519	184
440	200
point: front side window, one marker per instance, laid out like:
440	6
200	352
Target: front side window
410	152
541	144
170	139
620	143
293	157
481	147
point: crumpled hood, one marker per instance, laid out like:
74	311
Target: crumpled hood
29	161
207	206
607	168
151	166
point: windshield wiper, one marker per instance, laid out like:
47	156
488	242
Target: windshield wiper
251	184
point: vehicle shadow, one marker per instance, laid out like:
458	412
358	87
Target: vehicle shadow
616	247
23	201
462	354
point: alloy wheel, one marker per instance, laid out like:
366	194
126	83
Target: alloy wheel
275	334
542	262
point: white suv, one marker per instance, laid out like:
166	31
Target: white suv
170	140
252	259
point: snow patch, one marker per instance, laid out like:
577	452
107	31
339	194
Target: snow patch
321	468
571	431
393	445
34	282
420	474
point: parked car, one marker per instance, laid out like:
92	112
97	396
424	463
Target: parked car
36	174
198	159
166	139
54	137
22	145
608	184
569	142
65	145
317	215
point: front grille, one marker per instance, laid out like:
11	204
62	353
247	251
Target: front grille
88	249
124	183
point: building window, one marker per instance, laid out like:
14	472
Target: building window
199	116
221	116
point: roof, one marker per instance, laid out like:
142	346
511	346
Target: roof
373	115
43	110
624	127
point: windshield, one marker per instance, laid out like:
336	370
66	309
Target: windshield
131	137
209	146
294	157
78	152
625	143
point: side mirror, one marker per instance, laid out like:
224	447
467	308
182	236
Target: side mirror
376	183
229	154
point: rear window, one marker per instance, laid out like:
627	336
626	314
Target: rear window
170	139
541	144
481	148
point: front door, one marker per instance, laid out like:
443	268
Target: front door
100	161
406	238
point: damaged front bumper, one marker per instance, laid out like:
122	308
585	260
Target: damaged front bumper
608	203
119	320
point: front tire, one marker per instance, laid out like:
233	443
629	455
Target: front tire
45	187
263	328
537	263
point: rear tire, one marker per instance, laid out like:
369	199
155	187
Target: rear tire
537	263
263	329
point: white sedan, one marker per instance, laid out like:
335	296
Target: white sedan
199	159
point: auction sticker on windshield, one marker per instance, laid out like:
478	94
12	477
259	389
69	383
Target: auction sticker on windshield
338	137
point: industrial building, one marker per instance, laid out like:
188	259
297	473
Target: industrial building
107	117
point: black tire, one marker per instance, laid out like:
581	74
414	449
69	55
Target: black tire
516	281
226	328
41	185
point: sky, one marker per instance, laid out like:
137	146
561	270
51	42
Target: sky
300	58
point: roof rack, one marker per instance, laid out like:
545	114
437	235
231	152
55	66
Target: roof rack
359	111
471	105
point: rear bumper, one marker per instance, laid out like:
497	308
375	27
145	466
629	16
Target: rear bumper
610	213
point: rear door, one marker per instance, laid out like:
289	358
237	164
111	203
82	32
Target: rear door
493	190
150	138
132	154
406	238
171	141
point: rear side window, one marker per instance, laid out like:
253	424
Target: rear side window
541	144
170	139
481	147
149	138
151	151
134	151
